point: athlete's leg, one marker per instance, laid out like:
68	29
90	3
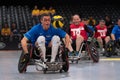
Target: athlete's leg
99	39
107	39
55	45
41	44
70	48
79	40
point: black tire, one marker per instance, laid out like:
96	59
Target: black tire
72	61
77	61
65	59
22	66
109	49
60	71
93	52
45	70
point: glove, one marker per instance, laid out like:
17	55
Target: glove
26	57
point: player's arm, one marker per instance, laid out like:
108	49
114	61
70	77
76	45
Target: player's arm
67	40
89	31
24	44
113	36
113	33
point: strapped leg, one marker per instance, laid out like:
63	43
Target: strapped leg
55	46
41	44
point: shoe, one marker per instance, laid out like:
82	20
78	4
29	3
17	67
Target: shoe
103	49
71	53
26	58
52	61
76	53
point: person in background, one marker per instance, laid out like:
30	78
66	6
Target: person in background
101	34
115	34
85	21
35	14
44	10
108	23
5	32
52	11
15	32
35	11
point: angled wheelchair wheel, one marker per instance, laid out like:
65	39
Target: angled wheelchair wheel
22	65
93	52
65	59
109	49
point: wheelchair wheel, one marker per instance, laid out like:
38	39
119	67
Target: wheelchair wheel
65	59
93	52
22	65
109	49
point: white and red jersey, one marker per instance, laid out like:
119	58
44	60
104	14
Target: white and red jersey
78	30
101	31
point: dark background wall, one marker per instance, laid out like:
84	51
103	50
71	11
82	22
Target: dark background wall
57	2
61	8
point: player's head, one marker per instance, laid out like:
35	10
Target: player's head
45	20
58	21
118	22
102	22
76	19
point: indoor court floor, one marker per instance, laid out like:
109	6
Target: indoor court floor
106	69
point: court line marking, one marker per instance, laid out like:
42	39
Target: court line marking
110	59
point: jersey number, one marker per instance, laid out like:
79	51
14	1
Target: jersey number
102	33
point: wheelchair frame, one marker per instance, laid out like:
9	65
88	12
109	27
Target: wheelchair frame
111	49
91	51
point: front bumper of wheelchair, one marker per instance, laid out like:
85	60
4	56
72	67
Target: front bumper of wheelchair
49	66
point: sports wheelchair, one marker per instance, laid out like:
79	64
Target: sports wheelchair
88	50
61	62
112	48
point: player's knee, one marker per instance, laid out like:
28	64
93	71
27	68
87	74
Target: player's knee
41	40
80	38
55	40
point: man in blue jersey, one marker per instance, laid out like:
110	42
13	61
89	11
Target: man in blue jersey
44	34
115	35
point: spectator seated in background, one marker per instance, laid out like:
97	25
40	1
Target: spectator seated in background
52	11
36	14
15	32
44	10
22	29
5	33
35	11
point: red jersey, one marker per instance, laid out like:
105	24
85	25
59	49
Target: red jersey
101	31
78	30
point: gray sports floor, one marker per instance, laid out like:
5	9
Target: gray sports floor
106	69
